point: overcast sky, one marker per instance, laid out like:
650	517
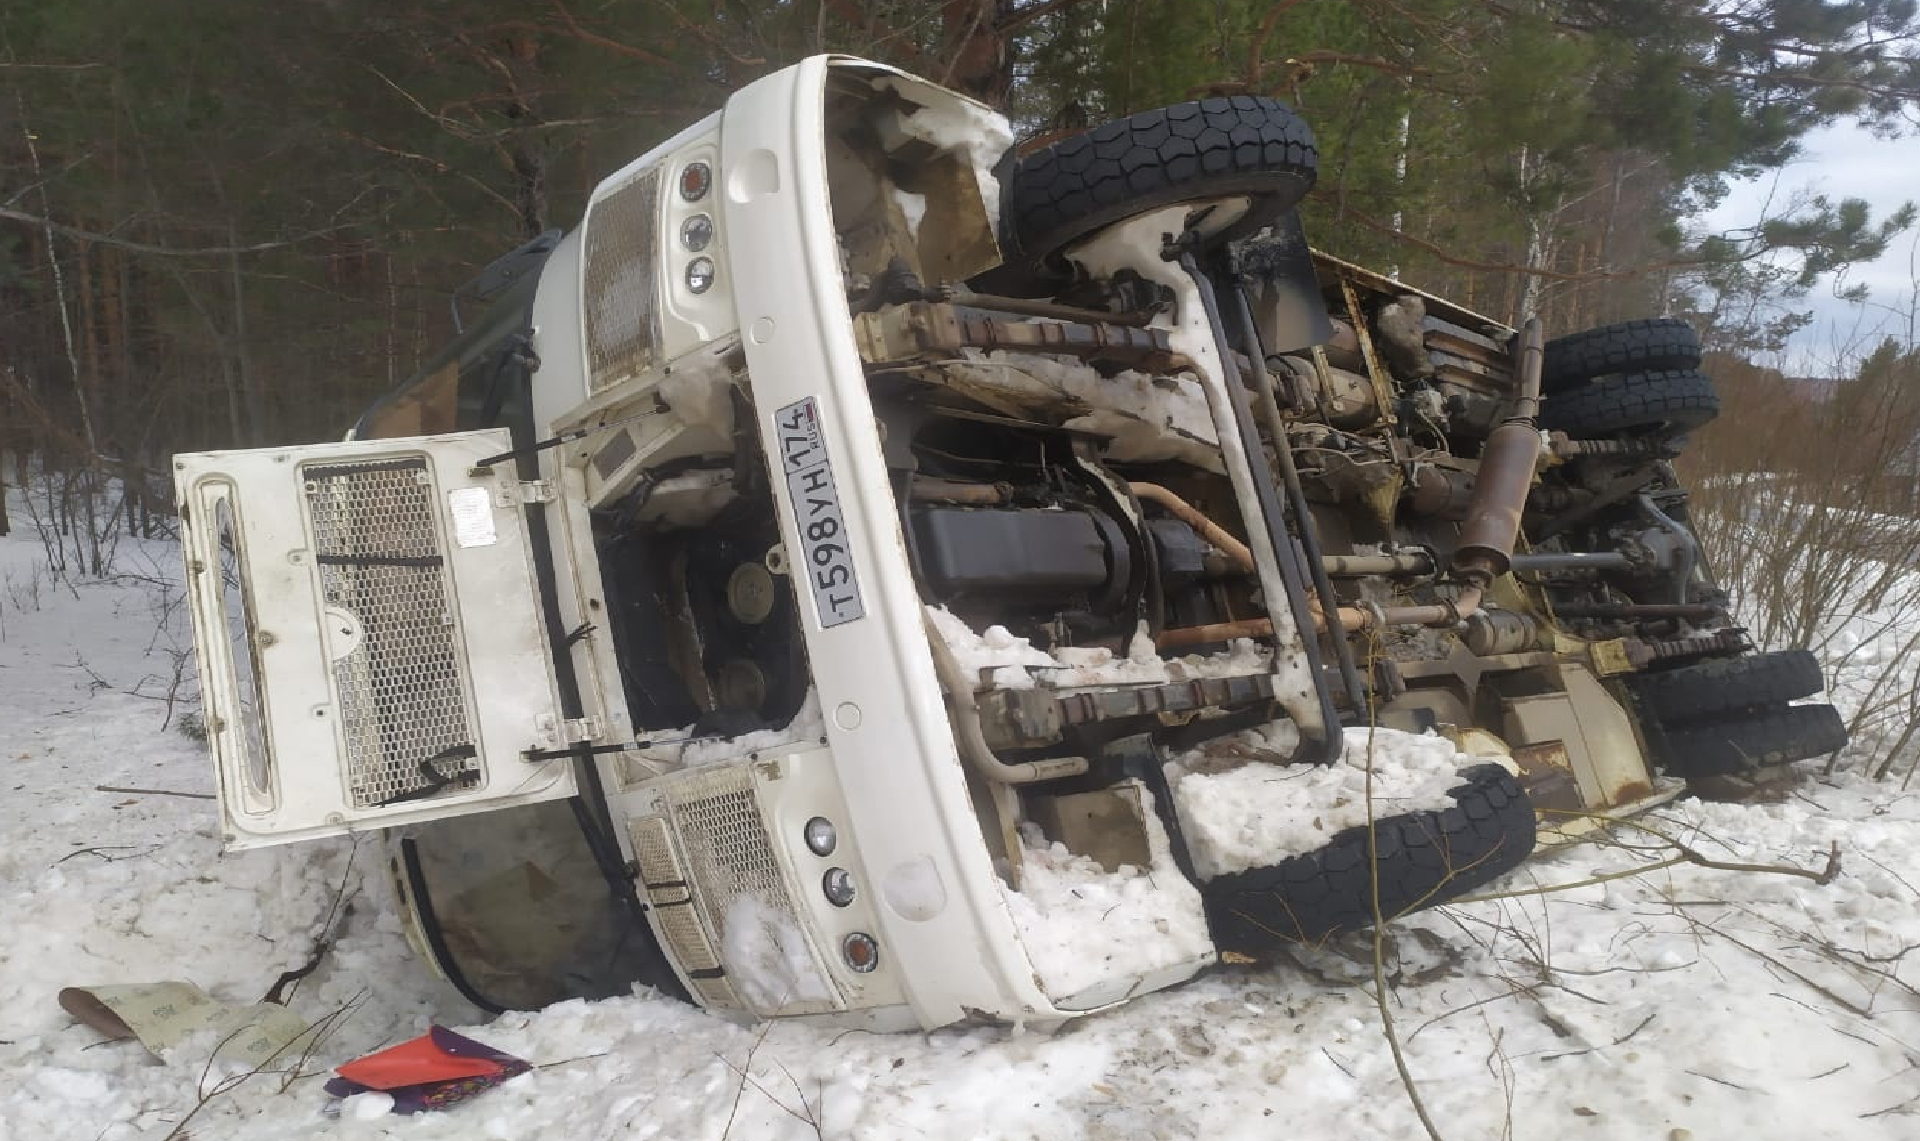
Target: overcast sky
1842	162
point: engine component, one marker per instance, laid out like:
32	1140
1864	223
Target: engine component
1493	632
1505	475
1444	493
1183	556
1343	399
1400	336
1033	554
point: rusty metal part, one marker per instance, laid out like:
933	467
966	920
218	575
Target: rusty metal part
1561	445
1172	698
1507	463
1175	638
931	330
1019	718
1412	565
1052	309
1030	718
1444	493
1375	371
1722	642
1557	561
1633	610
967	734
1348	618
1341	397
1546	773
1187	513
955	491
1492	632
1617	656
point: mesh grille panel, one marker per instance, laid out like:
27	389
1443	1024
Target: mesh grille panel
673	906
728	852
623	316
717	991
403	694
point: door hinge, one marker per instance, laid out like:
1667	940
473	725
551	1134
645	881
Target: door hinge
516	492
509	492
555	734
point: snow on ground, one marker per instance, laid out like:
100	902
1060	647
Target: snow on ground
1682	1003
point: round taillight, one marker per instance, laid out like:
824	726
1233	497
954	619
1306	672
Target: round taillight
861	952
696	178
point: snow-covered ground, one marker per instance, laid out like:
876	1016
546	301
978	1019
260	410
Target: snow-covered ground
1682	1003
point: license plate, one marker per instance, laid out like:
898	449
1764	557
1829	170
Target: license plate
826	557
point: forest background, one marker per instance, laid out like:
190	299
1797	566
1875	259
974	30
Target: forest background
226	223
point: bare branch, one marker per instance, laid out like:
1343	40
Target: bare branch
25	218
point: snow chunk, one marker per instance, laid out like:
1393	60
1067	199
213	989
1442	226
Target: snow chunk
1082	925
1241	806
913	206
997	650
1243	656
972	129
1097	665
768	959
1012	662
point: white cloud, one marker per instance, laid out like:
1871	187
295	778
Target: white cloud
1841	161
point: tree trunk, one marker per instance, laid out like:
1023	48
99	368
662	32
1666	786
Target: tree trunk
528	152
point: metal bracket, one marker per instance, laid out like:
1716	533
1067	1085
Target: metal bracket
556	733
510	492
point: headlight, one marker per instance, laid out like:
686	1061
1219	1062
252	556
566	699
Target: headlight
837	884
696	233
700	273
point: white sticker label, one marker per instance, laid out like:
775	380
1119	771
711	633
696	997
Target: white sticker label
826	557
472	511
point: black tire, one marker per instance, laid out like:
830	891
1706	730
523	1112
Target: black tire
1713	689
1210	148
1660	343
1424	858
1638	404
1777	736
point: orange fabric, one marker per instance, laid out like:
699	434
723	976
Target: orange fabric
414	1063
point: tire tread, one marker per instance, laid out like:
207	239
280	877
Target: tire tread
1424	858
1243	145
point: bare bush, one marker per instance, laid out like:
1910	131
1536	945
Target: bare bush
1807	503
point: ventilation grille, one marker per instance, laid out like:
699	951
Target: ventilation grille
729	855
670	897
403	695
622	307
